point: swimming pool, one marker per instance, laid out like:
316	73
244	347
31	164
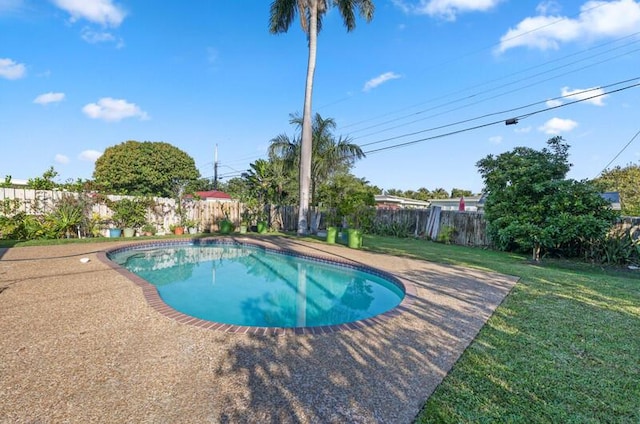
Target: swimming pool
243	284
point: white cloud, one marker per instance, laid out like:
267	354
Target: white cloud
445	9
112	110
495	139
62	159
103	12
12	70
555	126
47	98
380	79
94	37
523	130
584	94
597	19
89	155
548	7
553	103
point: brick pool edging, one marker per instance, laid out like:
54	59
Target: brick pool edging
154	300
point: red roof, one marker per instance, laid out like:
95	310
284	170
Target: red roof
212	194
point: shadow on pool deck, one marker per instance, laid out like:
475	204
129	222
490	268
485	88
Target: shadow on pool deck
81	344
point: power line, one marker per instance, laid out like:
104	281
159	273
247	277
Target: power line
620	152
491	46
572	95
493	89
517	118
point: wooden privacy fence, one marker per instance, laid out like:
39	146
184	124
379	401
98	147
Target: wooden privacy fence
631	224
469	228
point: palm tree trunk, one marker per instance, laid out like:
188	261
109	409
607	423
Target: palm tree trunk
307	133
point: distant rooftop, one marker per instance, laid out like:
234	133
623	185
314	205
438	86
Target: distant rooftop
612	197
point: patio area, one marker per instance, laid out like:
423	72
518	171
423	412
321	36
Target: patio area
80	343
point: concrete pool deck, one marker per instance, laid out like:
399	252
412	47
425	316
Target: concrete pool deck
80	343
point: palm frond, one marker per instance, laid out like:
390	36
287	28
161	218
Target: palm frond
282	13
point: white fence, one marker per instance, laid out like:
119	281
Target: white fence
162	214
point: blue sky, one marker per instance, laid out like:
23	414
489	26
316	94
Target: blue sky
425	88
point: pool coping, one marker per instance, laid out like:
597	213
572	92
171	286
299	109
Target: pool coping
154	300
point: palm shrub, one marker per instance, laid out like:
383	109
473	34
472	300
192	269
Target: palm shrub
400	228
616	248
66	217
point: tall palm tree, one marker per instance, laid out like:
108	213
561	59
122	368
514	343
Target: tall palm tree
329	156
311	12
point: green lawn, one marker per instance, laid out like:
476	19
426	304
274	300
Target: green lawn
564	347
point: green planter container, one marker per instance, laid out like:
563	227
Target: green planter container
226	227
128	232
332	235
354	238
262	227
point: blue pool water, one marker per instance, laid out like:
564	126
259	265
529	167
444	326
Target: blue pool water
250	286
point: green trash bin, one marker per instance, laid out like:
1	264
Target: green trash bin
354	238
332	235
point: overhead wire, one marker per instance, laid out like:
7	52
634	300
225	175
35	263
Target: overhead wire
494	96
620	152
517	118
473	95
575	94
492	46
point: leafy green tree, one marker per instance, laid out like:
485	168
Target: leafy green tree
423	194
626	181
282	14
458	192
394	192
144	168
439	193
7	182
531	206
45	182
352	197
330	156
260	180
236	187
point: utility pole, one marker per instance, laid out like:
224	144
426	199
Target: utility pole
215	168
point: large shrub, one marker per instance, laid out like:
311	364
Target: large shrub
144	168
532	206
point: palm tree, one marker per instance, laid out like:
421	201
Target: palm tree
311	12
329	156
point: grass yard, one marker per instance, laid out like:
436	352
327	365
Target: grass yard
563	347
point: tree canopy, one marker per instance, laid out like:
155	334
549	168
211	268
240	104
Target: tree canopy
425	194
532	206
45	182
350	197
626	181
144	168
330	155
